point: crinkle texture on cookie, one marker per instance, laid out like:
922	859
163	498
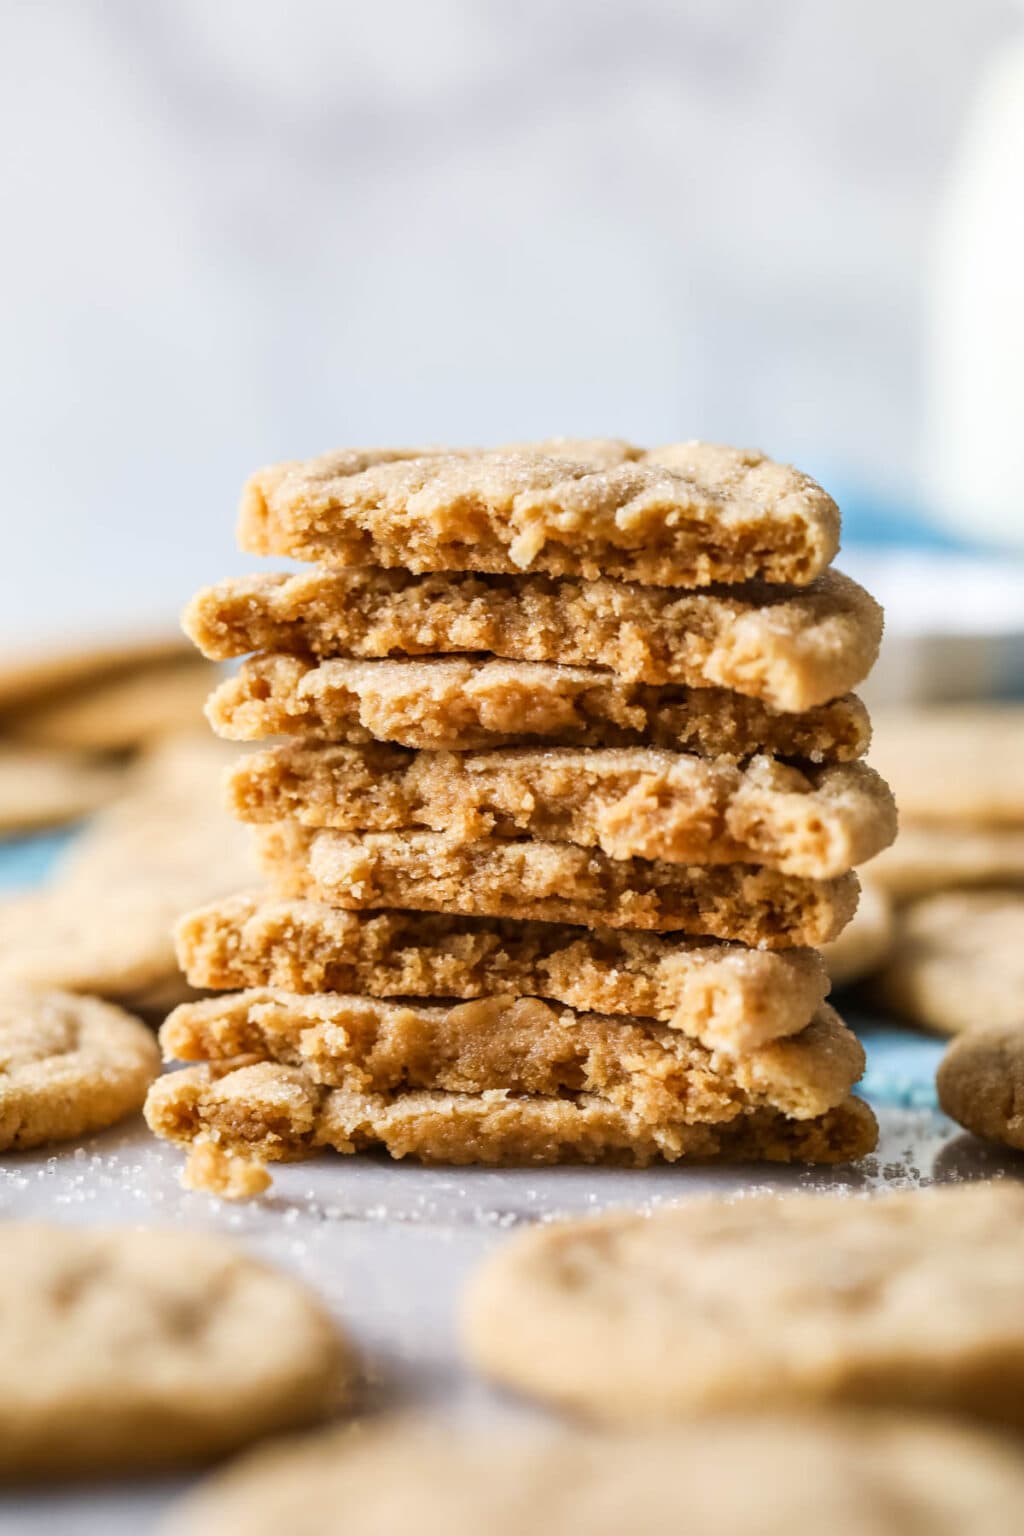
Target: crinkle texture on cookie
904	1300
731	998
520	1045
279	1114
881	1476
958	961
629	802
68	1066
455	704
794	648
686	515
981	1082
554	882
124	1350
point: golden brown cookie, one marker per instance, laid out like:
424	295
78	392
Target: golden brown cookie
981	1081
929	857
278	1114
455	704
960	763
882	1476
793	648
68	1066
124	1350
554	882
686	515
519	1045
731	998
905	1300
41	787
27	677
958	961
629	802
119	713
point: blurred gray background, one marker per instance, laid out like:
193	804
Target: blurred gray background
239	230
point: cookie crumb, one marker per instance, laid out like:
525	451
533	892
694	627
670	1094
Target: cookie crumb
212	1171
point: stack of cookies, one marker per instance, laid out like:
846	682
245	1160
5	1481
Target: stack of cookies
570	792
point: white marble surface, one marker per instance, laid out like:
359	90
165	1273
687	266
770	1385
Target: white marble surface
390	1248
255	229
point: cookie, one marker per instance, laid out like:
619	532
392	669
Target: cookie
927	857
105	924
41	788
123	1350
519	1045
956	763
68	1066
122	712
905	1300
852	1476
279	1114
730	998
555	883
981	1081
958	961
454	704
629	802
26	677
865	942
686	515
795	649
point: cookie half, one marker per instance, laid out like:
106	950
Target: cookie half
795	649
554	882
518	1045
686	515
630	803
459	704
731	998
981	1082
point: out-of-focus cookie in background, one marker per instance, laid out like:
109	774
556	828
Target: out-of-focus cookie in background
114	734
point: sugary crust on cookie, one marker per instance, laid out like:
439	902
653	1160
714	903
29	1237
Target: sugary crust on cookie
686	515
68	1066
793	648
455	704
958	961
522	1046
887	1475
279	1114
630	802
981	1082
928	858
908	1300
137	1350
554	882
959	763
731	998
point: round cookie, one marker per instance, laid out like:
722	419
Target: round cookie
68	1066
41	787
958	961
864	942
122	1349
908	1300
843	1475
981	1082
